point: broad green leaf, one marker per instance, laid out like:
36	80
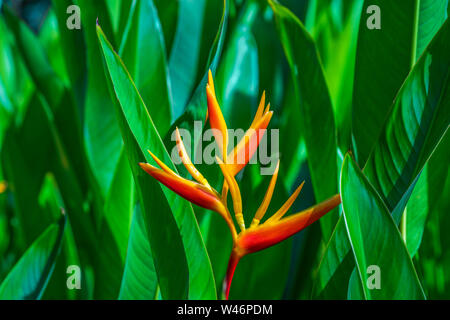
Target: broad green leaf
74	48
193	40
29	277
270	52
418	120
434	258
335	31
58	98
424	196
384	58
237	76
25	161
119	204
16	81
168	15
51	201
355	291
108	264
35	59
101	130
196	109
336	264
139	281
197	104
183	61
405	144
375	239
149	71
316	112
49	38
180	258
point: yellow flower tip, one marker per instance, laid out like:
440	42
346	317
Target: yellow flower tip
267	197
3	186
211	82
286	206
187	161
153	156
267	108
259	112
160	163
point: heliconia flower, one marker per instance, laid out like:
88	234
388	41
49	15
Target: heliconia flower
259	235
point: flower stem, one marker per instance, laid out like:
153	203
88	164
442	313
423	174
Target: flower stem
232	263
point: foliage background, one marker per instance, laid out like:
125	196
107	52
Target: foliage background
72	130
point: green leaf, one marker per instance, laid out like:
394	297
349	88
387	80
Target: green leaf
51	201
424	196
17	83
119	204
35	59
237	76
384	58
29	277
317	119
433	256
25	160
149	71
417	122
60	100
336	31
355	291
375	239
180	258
197	103
335	266
139	280
168	15
74	48
196	109
405	144
194	40
49	37
101	130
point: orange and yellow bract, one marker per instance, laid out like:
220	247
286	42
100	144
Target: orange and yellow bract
259	235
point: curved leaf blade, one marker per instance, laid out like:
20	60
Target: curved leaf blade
429	102
139	280
180	257
149	71
384	58
375	239
313	98
29	277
